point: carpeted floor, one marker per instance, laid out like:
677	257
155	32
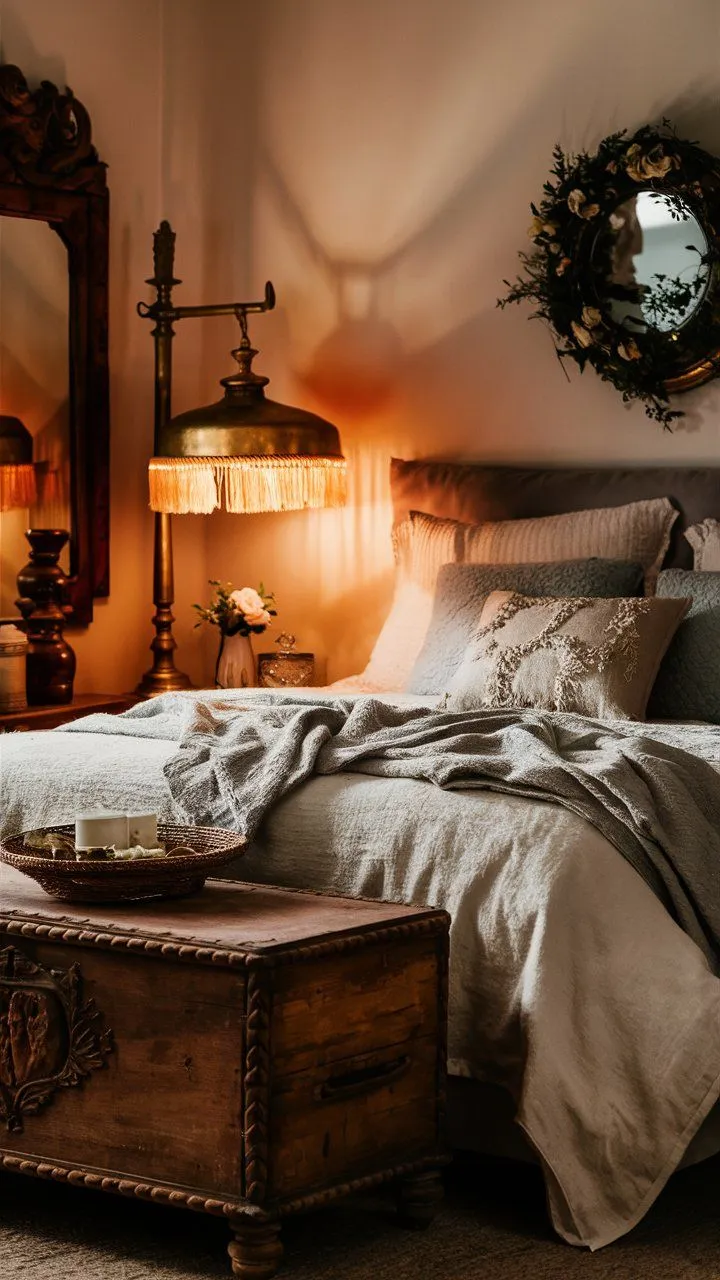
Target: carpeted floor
493	1227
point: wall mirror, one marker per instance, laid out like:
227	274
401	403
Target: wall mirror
54	332
625	264
657	272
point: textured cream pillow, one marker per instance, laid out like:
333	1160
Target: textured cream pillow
638	532
595	657
704	538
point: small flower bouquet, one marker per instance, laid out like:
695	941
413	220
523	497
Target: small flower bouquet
242	612
238	615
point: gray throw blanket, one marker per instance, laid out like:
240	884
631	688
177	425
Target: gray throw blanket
656	803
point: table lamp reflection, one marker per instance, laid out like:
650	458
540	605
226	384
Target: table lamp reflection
18	485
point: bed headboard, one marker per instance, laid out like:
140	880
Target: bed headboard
473	492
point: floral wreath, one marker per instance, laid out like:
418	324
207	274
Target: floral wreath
562	273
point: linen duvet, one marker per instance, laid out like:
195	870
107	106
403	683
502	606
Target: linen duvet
571	985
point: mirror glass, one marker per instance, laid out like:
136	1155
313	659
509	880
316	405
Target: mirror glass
651	255
35	382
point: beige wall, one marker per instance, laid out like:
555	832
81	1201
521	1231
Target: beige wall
397	146
375	159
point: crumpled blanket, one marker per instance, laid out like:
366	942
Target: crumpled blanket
656	803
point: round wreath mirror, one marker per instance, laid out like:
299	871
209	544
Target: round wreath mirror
625	264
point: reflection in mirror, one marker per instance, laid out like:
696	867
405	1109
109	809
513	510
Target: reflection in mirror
34	383
652	256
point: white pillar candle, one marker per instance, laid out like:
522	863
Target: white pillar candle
13	656
142	830
99	830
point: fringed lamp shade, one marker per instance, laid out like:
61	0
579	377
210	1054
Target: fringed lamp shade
18	487
246	453
201	485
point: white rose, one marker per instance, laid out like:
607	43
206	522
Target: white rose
538	228
655	164
247	601
576	200
582	336
260	619
591	317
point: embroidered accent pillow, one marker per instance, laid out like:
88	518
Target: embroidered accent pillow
462	590
704	538
638	532
597	658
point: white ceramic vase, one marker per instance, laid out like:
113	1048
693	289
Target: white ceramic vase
236	663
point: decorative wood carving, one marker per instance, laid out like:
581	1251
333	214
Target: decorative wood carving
187	949
49	1038
257	1088
443	953
50	172
122	1185
45	136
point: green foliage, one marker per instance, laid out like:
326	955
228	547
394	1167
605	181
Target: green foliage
562	274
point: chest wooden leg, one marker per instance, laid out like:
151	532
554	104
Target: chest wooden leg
256	1250
419	1198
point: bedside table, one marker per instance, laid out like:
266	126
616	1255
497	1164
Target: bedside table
50	717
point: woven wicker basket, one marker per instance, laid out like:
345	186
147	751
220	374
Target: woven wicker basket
131	881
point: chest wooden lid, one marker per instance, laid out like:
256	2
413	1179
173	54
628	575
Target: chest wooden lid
227	921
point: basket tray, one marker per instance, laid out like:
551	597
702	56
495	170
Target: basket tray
128	881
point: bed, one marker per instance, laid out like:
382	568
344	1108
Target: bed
575	997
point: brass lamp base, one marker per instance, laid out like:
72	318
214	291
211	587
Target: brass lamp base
157	681
163	676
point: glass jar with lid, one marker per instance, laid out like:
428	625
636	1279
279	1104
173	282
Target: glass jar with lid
286	669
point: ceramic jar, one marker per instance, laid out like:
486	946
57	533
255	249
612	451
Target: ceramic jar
235	667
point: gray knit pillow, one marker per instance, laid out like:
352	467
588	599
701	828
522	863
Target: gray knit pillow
463	588
688	682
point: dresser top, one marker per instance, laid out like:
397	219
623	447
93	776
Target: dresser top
229	919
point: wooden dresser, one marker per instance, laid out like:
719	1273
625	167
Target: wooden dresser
84	704
249	1052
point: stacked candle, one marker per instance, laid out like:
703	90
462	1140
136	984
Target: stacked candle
115	830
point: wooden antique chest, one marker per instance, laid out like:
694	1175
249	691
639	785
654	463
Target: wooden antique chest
249	1052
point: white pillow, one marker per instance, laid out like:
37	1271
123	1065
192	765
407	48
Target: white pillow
704	538
638	532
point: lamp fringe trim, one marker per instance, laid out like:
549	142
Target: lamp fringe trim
179	486
18	487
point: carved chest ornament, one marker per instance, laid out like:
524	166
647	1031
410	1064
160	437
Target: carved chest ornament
49	1038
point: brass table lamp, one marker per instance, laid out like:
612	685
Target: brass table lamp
244	453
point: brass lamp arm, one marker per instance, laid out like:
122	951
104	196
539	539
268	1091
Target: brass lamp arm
159	310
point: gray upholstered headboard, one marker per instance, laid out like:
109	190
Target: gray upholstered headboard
474	492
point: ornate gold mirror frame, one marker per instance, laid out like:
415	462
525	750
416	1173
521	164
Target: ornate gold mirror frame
50	171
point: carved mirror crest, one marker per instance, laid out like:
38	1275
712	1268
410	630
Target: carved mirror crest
50	174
